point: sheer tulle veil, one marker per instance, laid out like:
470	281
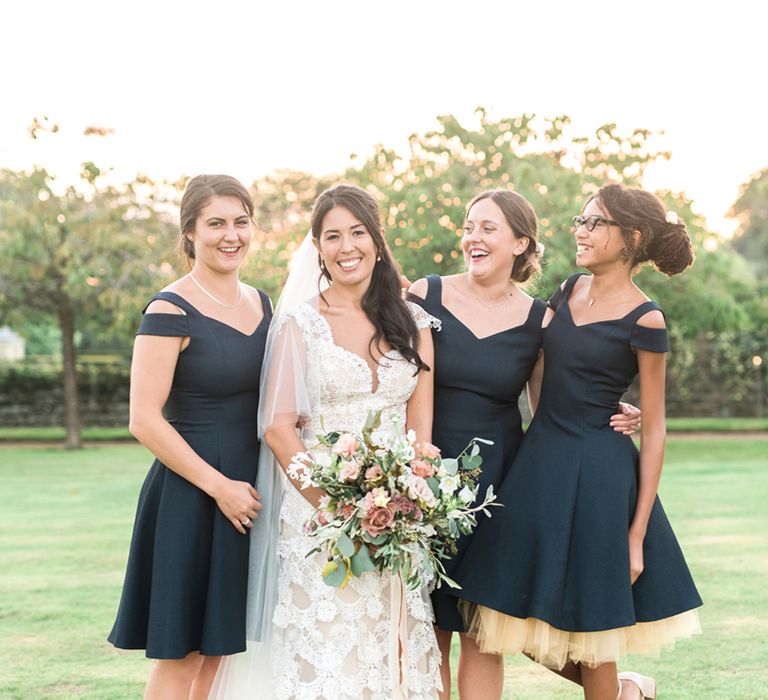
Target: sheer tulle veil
287	394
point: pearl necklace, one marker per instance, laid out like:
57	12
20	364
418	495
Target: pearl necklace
220	303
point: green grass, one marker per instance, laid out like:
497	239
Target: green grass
65	523
57	434
685	425
716	425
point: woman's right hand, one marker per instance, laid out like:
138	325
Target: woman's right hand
239	502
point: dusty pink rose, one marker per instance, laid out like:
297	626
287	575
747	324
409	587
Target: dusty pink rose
346	445
428	450
323	517
373	473
349	472
422	468
403	505
378	520
348	510
417	514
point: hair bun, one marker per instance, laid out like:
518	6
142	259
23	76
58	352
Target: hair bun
671	251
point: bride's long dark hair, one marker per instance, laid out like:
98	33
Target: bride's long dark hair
382	301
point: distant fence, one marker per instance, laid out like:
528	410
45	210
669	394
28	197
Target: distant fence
715	376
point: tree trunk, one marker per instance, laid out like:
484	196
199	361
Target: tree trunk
71	398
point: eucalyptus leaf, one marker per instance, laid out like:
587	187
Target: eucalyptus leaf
345	546
361	561
335	577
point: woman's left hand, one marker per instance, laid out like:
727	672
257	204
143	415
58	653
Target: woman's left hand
627	421
635	557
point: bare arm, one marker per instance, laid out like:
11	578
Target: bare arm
652	387
152	368
420	405
534	383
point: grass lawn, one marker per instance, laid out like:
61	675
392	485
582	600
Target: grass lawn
56	434
65	522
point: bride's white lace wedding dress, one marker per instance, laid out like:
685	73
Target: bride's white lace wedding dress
329	643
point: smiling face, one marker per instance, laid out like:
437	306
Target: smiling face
489	244
222	234
346	248
601	247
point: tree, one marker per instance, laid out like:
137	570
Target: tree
751	211
83	258
423	197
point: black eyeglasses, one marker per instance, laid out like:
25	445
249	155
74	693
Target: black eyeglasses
589	222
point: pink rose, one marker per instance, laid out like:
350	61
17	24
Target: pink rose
323	517
417	514
348	510
403	505
428	450
373	473
418	489
346	445
423	469
378	520
349	472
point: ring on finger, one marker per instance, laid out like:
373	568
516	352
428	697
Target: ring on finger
245	521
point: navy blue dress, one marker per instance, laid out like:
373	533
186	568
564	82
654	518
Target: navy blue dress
186	580
558	551
478	382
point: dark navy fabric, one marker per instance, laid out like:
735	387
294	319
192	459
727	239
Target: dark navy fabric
558	551
478	382
185	584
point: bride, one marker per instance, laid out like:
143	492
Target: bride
343	344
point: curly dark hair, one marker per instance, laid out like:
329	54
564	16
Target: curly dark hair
382	301
664	243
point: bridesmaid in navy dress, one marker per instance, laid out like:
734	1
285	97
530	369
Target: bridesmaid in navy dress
194	400
598	573
485	353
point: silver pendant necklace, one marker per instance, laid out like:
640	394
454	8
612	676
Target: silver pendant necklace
220	303
591	300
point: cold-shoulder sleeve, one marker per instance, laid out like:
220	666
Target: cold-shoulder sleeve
174	325
651	339
422	318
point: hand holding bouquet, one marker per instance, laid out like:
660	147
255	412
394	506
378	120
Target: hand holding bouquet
391	504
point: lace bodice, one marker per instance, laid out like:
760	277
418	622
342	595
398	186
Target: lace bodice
344	386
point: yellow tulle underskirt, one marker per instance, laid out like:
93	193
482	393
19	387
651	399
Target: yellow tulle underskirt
497	633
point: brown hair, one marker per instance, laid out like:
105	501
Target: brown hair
663	242
521	217
197	195
382	301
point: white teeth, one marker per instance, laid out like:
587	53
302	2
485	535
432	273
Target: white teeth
229	250
349	264
477	253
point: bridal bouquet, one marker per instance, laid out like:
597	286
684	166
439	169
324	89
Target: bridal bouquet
390	503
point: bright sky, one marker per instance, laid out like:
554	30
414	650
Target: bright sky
248	87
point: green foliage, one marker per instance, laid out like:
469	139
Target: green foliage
97	247
751	210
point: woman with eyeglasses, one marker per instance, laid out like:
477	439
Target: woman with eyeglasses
486	352
598	573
